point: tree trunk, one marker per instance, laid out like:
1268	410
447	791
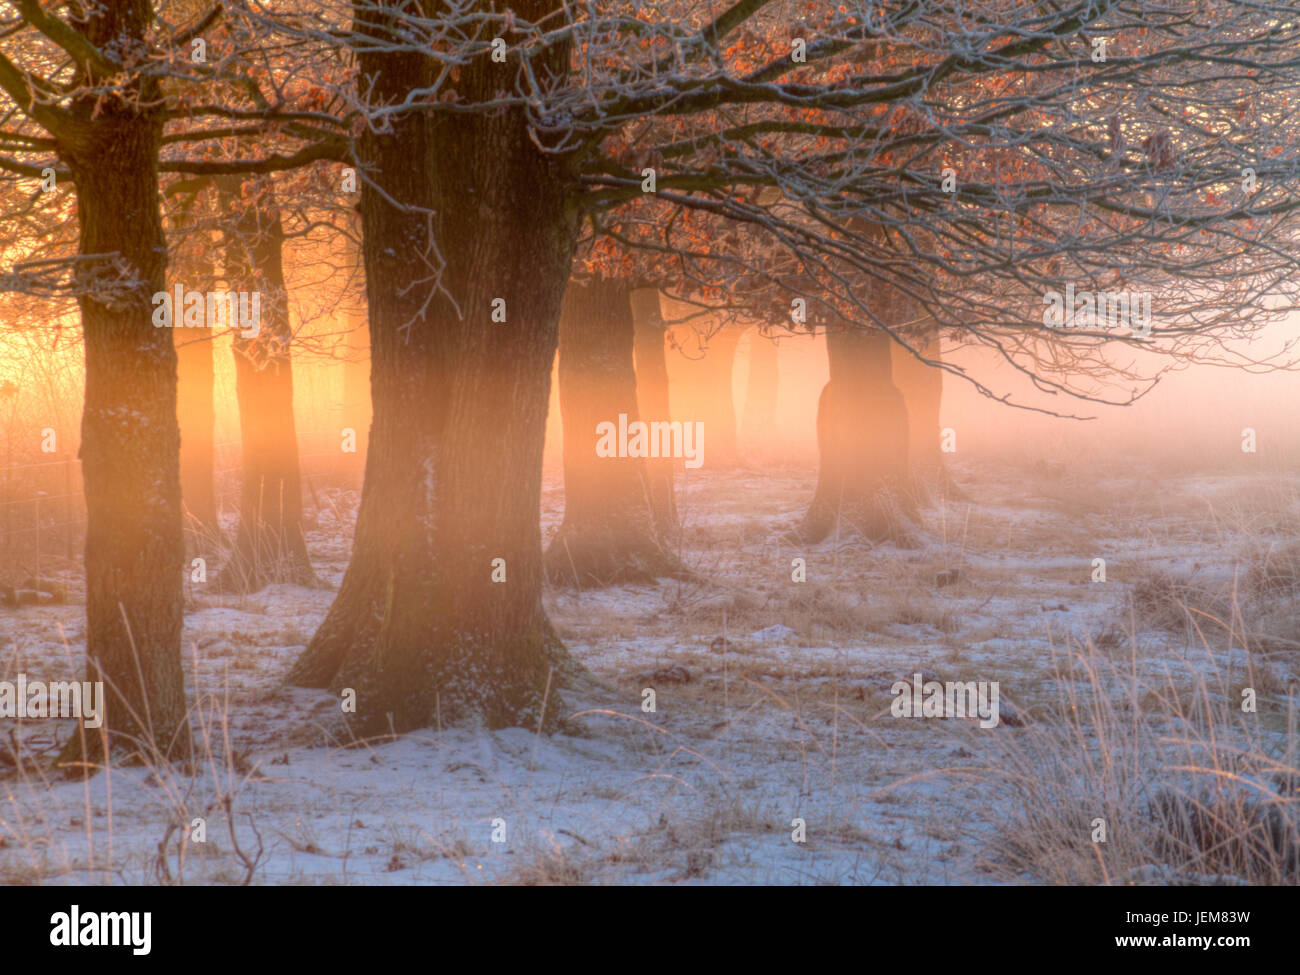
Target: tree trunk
269	545
922	389
704	394
197	416
192	265
393	526
608	533
761	390
652	401
130	440
420	630
862	437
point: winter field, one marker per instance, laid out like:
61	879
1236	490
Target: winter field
1121	705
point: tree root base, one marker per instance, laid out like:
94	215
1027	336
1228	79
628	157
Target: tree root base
586	561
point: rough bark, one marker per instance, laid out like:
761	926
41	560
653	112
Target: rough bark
394	513
130	440
269	544
651	366
862	439
420	631
608	533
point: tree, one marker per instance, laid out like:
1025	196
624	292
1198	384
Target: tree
269	543
486	135
107	129
609	531
863	480
91	97
920	379
459	398
653	403
195	407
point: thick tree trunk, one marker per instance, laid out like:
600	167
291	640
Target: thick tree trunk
608	533
394	517
761	389
922	389
652	400
269	544
130	440
862	436
440	616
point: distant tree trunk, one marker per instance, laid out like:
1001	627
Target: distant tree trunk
130	440
269	543
197	415
862	437
652	401
196	410
440	615
704	394
761	389
922	389
608	532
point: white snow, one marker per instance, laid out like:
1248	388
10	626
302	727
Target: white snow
784	717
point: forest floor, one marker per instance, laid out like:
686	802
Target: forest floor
772	706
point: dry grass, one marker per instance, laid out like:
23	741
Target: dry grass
207	787
1177	602
1189	788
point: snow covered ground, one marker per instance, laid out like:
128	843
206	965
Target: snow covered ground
772	706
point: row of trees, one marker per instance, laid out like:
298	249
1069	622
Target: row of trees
883	171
